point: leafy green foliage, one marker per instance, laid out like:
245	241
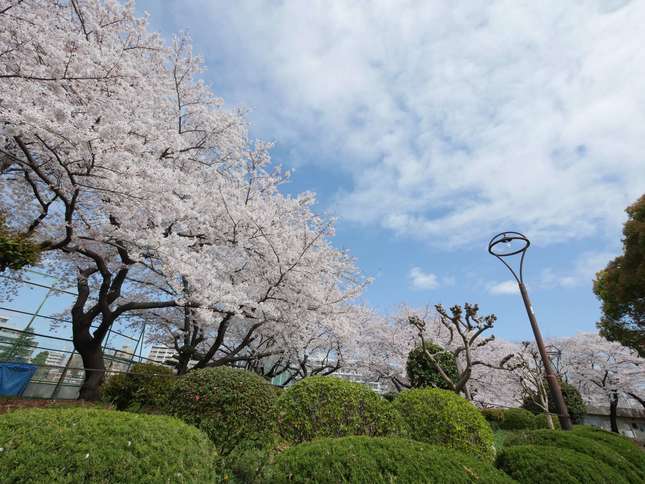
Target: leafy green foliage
16	251
584	445
541	421
619	444
18	348
231	405
538	464
443	417
621	285
517	419
422	372
378	460
146	386
572	398
70	445
323	406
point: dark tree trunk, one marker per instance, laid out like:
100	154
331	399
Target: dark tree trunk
90	350
613	412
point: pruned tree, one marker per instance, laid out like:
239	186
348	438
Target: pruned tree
465	329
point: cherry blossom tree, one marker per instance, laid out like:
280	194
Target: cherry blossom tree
125	169
603	371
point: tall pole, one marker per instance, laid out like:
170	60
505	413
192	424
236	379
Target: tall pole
554	386
508	244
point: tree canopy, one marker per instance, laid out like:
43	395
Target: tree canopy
621	285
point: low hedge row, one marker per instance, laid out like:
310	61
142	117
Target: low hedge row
619	444
363	459
538	464
70	445
572	441
147	386
516	419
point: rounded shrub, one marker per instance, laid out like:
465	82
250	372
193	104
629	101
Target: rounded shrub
231	405
68	445
323	406
517	419
378	460
147	385
537	464
541	421
442	417
422	372
493	416
571	441
619	444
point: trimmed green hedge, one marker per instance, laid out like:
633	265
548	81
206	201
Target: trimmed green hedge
324	406
378	460
569	440
541	423
536	464
442	417
619	444
517	419
147	385
70	445
231	405
423	373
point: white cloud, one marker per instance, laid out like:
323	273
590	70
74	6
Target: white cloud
505	287
452	120
582	272
423	280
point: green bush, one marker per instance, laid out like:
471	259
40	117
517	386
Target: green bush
70	445
323	406
443	417
231	405
541	423
619	444
517	419
572	398
423	373
147	385
378	460
538	464
493	416
571	441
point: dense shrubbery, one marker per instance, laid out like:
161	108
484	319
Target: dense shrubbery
578	443
575	404
536	464
147	385
230	405
541	423
423	373
378	460
619	444
330	407
89	445
516	419
443	417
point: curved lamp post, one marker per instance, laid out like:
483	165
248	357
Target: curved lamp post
508	244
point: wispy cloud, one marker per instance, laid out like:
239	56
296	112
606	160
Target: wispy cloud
582	272
423	280
452	120
502	288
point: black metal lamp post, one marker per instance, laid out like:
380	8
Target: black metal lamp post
508	244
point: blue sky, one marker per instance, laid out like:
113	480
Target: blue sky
427	127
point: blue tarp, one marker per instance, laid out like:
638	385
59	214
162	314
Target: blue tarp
14	378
